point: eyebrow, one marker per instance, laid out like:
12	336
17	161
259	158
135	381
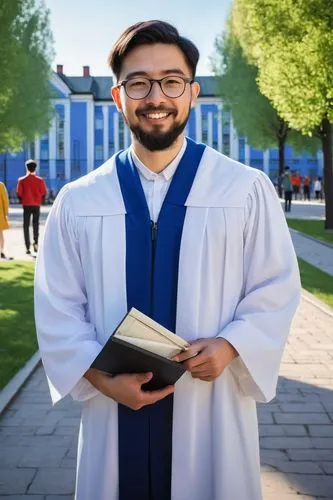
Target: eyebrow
173	71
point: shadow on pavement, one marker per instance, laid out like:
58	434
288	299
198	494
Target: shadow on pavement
296	439
38	442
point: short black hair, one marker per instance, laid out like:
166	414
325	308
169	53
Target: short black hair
149	33
31	165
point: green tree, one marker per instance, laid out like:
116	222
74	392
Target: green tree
26	50
253	114
291	43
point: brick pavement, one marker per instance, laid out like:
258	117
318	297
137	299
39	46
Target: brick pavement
38	442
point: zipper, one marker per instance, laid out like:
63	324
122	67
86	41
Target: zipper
153	240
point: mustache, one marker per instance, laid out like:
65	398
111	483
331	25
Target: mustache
153	109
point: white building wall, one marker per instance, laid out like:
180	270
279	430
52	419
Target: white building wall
247	153
198	126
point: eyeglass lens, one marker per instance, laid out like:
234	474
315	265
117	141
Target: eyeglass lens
139	88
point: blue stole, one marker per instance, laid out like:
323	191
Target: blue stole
152	258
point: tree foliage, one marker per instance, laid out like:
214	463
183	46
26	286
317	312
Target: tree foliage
291	43
26	50
253	114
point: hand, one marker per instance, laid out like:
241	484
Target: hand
206	359
127	388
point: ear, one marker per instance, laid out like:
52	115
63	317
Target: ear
115	93
195	89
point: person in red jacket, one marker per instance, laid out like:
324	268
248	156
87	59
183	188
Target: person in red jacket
31	191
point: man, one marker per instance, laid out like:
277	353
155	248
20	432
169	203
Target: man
199	243
306	187
31	191
288	189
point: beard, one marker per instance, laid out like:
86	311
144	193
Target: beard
156	140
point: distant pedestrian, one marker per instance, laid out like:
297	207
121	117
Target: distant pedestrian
288	189
318	189
4	207
296	183
306	188
31	191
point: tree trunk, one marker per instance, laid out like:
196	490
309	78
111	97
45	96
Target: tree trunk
281	137
328	171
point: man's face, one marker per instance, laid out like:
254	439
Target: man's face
157	120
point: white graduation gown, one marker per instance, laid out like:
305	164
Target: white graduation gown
238	278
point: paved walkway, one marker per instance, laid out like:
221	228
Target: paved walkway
38	442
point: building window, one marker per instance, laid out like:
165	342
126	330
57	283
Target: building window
99	122
241	149
226	144
99	152
44	150
225	117
60	133
204	128
31	149
76	170
111	148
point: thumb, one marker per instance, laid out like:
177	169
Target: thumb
144	377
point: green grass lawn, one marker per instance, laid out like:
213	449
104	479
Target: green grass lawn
17	328
314	228
316	282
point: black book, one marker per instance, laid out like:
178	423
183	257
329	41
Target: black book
140	345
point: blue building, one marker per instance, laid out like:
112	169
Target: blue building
87	129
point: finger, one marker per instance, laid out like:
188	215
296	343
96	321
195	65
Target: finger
205	368
150	397
199	360
143	378
183	356
192	351
206	378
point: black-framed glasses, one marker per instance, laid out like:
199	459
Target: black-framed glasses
140	87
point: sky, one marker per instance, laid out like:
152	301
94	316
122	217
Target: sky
85	30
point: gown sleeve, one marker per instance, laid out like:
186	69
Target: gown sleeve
67	341
271	294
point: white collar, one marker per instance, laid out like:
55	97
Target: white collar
167	173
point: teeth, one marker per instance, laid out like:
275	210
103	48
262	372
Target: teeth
156	116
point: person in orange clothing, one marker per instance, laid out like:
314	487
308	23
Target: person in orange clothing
4	206
296	183
31	191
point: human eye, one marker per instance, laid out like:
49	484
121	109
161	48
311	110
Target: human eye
137	83
173	81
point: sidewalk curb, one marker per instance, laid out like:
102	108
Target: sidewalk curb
309	297
324	243
15	384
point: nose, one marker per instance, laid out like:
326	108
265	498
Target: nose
155	93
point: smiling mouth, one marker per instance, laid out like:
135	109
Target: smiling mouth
156	116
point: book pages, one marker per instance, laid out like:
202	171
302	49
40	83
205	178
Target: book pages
142	331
